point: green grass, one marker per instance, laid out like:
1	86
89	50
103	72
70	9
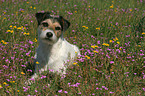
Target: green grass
114	67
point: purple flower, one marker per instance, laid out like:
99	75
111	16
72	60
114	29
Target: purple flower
116	23
143	89
25	89
8	80
43	77
141	54
29	70
79	93
36	91
65	92
98	42
97	88
111	62
23	65
135	73
111	92
5	67
74	85
79	76
60	91
12	58
103	86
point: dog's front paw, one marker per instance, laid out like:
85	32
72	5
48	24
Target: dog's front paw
30	81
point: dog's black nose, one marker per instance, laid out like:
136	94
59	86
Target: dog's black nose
49	34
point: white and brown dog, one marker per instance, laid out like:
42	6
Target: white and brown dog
53	51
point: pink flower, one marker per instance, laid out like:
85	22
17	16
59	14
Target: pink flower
65	92
36	91
60	91
111	62
80	93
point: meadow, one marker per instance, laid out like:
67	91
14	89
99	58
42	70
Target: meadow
109	33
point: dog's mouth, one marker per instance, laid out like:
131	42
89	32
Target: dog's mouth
47	39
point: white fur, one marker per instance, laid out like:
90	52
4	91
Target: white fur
53	54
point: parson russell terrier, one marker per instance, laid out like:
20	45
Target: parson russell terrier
53	51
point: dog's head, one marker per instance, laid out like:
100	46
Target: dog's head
50	27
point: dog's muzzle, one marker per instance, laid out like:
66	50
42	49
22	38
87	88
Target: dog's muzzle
48	36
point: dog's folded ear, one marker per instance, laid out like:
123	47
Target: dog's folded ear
42	16
64	23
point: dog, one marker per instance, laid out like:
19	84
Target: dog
53	51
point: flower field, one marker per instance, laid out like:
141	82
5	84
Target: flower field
109	33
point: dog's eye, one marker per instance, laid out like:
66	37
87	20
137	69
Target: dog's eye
57	28
45	24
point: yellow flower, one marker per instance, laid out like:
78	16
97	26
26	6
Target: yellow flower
10	26
87	57
116	10
5	43
130	9
22	11
86	27
18	91
8	86
98	28
24	33
111	6
22	73
75	63
34	7
8	30
116	38
19	28
110	41
12	31
5	83
112	1
30	6
14	27
2	41
105	44
27	2
118	42
139	45
37	62
143	33
27	34
94	46
35	40
75	11
95	51
1	86
12	81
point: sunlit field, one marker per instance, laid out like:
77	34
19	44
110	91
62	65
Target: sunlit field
109	33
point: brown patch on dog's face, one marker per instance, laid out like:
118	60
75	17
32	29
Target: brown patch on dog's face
51	24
